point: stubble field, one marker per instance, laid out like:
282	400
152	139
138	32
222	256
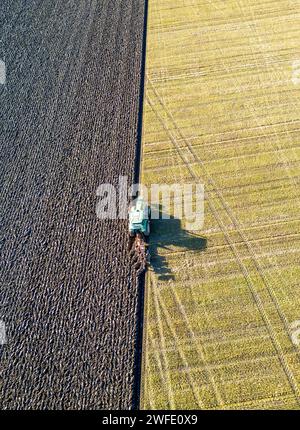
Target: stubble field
222	108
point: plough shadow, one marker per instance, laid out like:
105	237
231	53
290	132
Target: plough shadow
165	235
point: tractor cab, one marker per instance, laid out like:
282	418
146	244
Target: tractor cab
139	218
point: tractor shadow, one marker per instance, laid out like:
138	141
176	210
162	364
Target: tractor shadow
167	235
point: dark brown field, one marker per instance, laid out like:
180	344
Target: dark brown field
69	120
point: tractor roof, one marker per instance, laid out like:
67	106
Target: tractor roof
138	212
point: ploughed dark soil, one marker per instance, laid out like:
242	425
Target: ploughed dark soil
69	120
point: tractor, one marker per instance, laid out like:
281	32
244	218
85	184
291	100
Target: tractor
139	229
139	218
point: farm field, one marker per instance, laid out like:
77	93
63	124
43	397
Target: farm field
222	108
69	118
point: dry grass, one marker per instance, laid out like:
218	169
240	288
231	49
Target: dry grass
222	109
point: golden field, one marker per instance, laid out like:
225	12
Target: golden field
222	108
